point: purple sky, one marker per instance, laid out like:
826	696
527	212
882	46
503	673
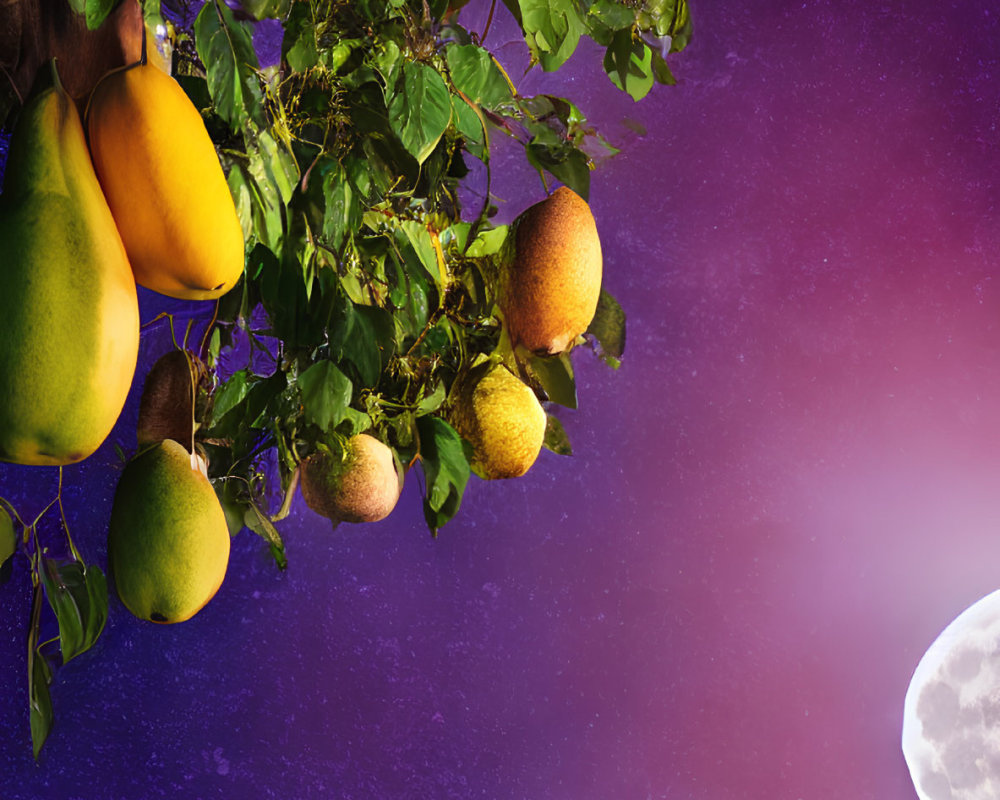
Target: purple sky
786	492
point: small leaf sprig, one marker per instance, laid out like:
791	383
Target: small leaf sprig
75	592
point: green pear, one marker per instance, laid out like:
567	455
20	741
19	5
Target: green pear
70	332
168	542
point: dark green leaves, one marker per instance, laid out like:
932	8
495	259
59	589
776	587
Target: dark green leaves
230	394
225	47
420	109
39	677
554	375
446	470
78	594
326	394
341	210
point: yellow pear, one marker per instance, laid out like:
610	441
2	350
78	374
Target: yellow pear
164	184
501	417
360	485
168	542
70	332
550	289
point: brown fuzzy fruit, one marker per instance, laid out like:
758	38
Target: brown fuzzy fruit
166	410
362	486
502	419
549	292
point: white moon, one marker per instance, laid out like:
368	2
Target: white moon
951	714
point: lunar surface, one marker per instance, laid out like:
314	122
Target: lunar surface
951	714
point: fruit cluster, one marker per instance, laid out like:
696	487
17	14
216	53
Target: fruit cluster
142	199
383	325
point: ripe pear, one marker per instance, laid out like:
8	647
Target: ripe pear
70	333
502	419
549	291
168	542
361	485
166	188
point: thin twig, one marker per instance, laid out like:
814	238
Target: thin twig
489	21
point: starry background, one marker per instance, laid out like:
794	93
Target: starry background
784	494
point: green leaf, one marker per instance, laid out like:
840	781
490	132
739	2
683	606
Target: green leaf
387	62
565	162
628	63
239	188
667	18
420	240
39	700
661	71
362	336
265	9
234	509
326	394
257	521
471	126
475	75
420	109
556	439
279	166
230	394
612	15
341	211
354	422
608	328
97	12
488	242
266	200
262	394
433	401
225	47
78	594
555	376
8	537
39	678
446	470
151	13
552	29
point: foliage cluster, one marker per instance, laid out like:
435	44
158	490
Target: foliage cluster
368	288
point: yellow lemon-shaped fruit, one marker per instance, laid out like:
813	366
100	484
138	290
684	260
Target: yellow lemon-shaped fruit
502	419
360	485
168	543
164	184
549	291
